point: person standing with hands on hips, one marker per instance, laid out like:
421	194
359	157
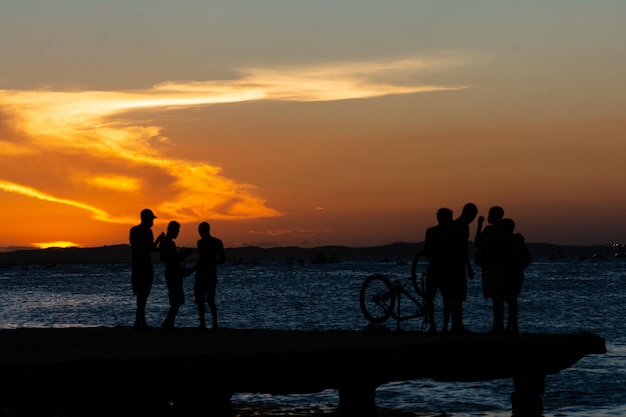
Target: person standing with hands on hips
210	254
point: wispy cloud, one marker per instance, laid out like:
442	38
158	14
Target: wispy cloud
30	192
340	81
82	140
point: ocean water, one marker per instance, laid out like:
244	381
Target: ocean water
565	295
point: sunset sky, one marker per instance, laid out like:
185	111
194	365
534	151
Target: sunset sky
310	123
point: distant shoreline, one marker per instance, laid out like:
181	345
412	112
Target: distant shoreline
395	252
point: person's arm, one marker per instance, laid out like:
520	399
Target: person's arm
167	252
427	245
157	241
221	254
468	263
184	253
525	257
479	231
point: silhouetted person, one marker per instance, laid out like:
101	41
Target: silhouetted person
509	256
210	254
462	267
485	238
142	245
175	271
438	250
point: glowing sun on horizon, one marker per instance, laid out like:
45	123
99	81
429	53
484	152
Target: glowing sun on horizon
59	244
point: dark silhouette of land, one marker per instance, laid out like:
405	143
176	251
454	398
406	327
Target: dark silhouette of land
395	252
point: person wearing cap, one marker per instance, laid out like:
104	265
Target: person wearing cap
142	244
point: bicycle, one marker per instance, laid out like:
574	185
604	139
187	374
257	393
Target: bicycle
380	297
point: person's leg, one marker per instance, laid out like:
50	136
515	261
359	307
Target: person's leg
447	307
211	302
444	288
168	323
140	315
512	325
457	295
498	316
201	310
457	316
430	314
429	301
170	319
199	297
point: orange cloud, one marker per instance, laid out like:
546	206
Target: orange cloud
76	148
30	192
114	182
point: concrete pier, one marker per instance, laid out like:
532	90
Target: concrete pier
105	368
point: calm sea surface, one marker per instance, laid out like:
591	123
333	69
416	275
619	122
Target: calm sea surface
558	296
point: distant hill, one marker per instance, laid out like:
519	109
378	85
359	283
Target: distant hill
395	252
249	254
103	254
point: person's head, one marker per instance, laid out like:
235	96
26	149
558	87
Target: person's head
444	215
147	216
496	213
173	229
469	212
507	226
204	229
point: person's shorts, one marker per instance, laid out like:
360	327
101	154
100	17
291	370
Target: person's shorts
511	285
489	283
142	283
454	288
176	296
204	288
175	292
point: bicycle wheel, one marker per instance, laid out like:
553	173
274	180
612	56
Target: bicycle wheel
418	273
377	298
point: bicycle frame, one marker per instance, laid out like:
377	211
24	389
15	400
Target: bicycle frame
399	291
381	298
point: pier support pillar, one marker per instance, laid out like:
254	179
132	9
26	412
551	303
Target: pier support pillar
213	402
357	399
190	400
527	400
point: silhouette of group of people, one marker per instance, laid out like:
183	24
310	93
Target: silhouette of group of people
501	254
210	254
